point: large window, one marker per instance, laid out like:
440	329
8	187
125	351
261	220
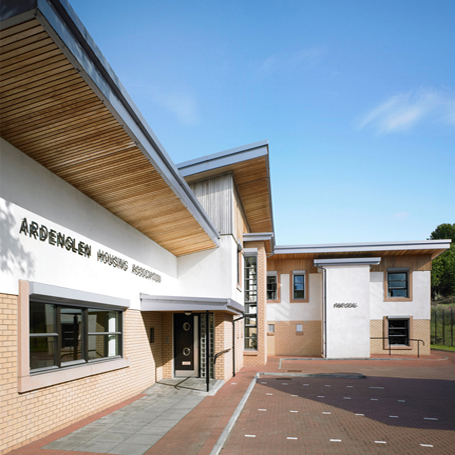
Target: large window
398	332
62	336
398	283
251	302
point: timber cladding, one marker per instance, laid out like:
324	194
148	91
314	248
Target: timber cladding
49	112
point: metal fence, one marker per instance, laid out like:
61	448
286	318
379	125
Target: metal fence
442	326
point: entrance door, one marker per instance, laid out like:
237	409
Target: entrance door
185	334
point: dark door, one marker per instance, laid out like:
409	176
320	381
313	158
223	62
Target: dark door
184	359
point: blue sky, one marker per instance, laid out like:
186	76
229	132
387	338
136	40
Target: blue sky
356	99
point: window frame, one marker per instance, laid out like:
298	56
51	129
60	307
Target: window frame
278	287
292	297
29	379
392	270
84	336
387	335
250	291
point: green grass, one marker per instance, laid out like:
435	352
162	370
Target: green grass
442	347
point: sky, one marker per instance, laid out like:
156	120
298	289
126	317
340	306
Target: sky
356	99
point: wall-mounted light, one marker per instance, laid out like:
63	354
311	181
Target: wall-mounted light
188	313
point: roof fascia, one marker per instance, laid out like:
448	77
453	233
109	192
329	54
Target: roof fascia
222	159
62	23
346	261
359	247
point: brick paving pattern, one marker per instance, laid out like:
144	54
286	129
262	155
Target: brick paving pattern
425	384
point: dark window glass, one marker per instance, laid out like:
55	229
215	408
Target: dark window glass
399	332
71	334
299	286
42	318
101	346
61	335
397	283
272	287
42	352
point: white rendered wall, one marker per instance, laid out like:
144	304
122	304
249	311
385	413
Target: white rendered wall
28	190
305	311
419	307
211	273
348	329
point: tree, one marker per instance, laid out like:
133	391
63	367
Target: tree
443	273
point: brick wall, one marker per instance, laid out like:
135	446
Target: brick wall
29	416
420	329
286	341
259	358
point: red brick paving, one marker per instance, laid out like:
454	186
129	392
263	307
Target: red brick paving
426	381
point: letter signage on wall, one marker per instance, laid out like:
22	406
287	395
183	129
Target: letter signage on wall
55	238
345	305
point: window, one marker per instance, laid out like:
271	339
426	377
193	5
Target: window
271	328
398	283
62	336
272	287
251	302
398	332
299	328
298	286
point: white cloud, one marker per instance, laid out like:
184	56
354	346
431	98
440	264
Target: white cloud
182	105
289	62
404	111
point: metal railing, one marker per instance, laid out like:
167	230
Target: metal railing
396	347
220	353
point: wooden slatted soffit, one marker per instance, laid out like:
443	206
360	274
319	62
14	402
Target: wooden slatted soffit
50	113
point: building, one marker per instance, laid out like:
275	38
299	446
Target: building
119	268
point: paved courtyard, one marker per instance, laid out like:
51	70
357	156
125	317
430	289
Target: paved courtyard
401	406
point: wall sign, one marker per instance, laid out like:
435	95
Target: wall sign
345	305
110	259
54	238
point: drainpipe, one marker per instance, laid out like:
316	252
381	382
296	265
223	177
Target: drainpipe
324	305
233	342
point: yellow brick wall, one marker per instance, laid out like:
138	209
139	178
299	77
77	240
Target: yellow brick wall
29	416
421	330
259	358
167	345
287	342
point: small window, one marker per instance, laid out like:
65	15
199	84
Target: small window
398	332
272	287
271	328
298	286
299	328
397	284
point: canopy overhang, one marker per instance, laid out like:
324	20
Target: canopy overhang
432	248
62	105
193	304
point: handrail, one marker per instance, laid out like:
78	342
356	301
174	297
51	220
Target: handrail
397	348
218	354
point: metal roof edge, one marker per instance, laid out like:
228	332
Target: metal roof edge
225	154
347	261
61	22
370	246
